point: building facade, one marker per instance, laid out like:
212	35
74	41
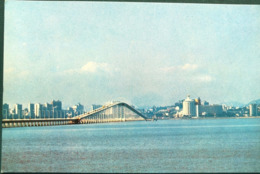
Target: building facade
189	107
211	110
94	106
18	110
38	110
5	111
78	109
48	110
31	110
57	104
252	110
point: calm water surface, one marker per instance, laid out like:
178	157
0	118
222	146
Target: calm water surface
209	145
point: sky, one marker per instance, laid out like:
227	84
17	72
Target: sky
144	54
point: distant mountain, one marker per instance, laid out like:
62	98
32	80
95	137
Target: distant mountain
234	103
239	104
254	101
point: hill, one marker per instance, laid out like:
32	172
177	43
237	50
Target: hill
255	102
234	103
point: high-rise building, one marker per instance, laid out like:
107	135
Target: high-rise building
212	110
94	106
189	107
5	111
205	103
70	112
31	110
18	110
252	110
48	110
38	108
197	103
55	112
57	104
179	103
78	108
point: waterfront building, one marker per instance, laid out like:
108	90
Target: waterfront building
189	107
212	110
18	108
38	108
25	113
55	112
205	103
79	109
252	110
48	110
65	113
56	108
70	112
197	103
31	110
57	104
179	104
5	111
224	107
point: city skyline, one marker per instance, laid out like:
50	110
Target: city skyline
185	108
141	53
90	106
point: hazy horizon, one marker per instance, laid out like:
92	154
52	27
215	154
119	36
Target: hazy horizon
142	53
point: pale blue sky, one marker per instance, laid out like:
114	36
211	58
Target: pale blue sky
141	53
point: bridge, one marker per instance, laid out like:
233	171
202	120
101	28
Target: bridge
114	112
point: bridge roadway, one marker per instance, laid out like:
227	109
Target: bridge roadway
37	122
74	120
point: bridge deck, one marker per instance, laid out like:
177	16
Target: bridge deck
38	120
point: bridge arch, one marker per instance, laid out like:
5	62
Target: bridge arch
118	111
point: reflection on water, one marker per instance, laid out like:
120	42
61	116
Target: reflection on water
213	145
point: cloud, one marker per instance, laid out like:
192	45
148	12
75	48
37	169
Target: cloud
169	69
92	67
205	78
185	67
189	67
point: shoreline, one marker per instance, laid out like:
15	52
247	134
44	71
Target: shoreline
202	118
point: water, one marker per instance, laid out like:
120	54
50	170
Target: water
208	145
